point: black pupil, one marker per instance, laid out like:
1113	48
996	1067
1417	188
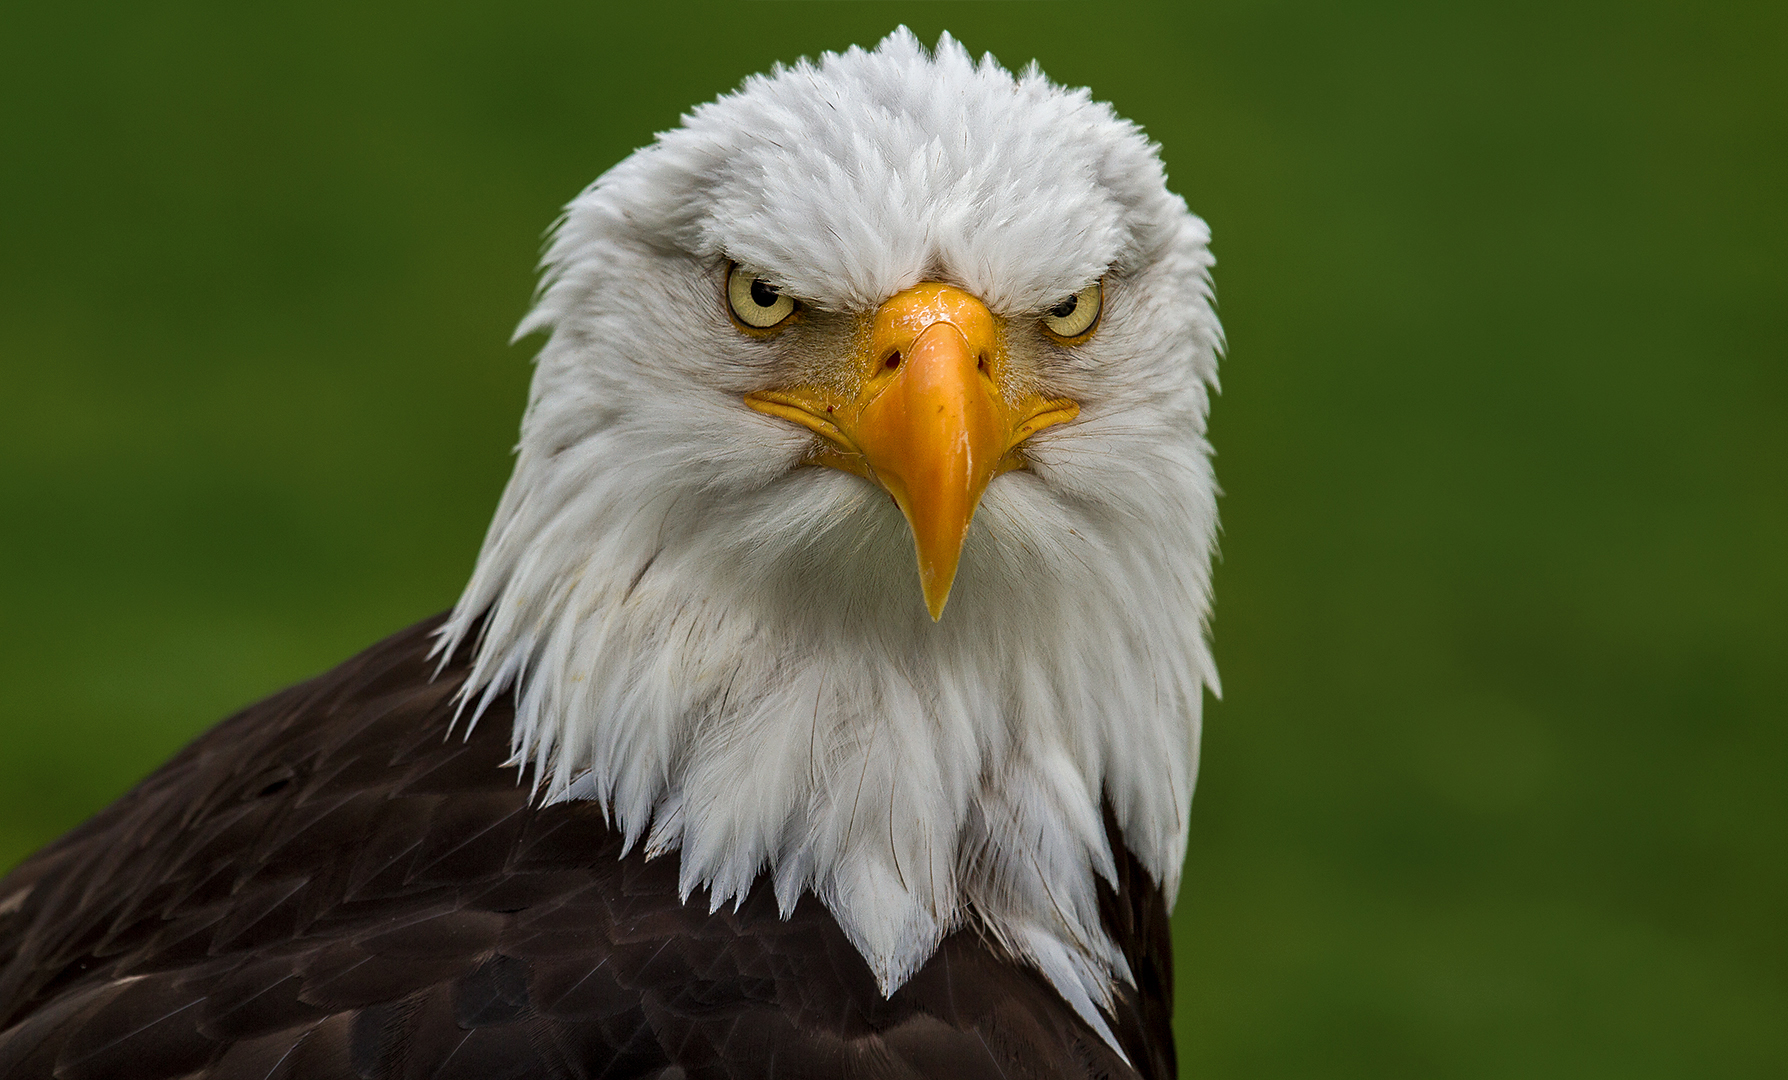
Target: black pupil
1065	308
763	294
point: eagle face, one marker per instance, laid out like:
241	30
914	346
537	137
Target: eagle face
860	527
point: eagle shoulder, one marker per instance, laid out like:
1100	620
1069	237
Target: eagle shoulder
339	882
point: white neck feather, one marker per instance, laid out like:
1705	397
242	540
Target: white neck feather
721	705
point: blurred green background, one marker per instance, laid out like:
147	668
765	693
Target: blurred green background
1497	789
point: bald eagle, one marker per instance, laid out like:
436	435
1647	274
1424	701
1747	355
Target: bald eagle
825	700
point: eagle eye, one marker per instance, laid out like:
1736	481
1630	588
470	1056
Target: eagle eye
756	303
1076	316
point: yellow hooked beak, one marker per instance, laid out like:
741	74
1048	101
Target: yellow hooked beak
923	416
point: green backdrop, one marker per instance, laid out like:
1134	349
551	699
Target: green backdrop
1497	788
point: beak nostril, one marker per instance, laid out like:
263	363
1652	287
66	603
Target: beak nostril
981	363
893	361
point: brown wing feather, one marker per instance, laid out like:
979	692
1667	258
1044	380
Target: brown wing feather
328	885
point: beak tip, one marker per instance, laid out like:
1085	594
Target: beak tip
937	591
936	587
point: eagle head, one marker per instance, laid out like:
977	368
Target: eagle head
860	528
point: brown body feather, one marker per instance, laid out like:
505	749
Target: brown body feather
329	885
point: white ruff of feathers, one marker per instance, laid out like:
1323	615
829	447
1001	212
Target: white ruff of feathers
729	649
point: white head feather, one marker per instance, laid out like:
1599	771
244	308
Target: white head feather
730	651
